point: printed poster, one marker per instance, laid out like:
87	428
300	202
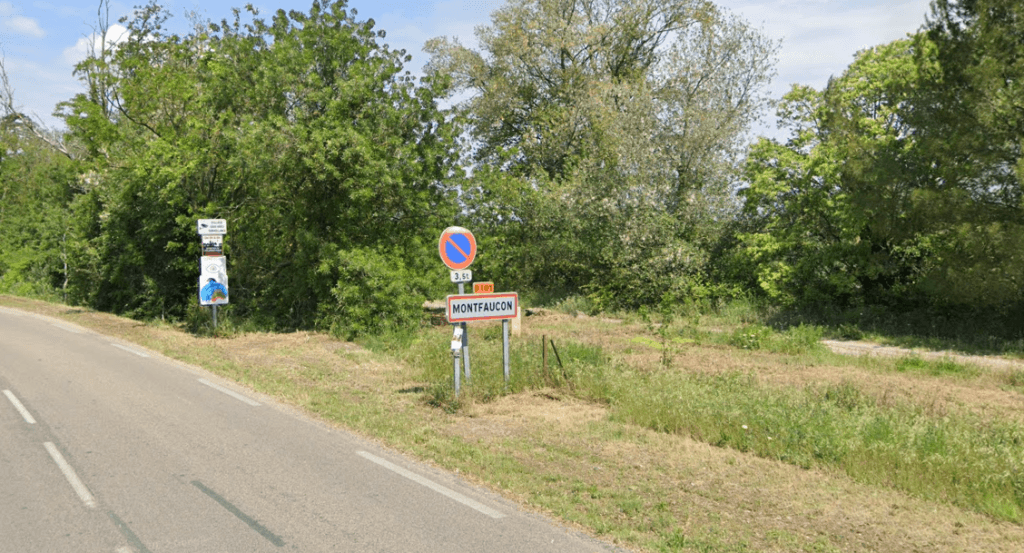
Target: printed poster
213	281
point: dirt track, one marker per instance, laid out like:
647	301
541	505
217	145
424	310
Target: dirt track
868	348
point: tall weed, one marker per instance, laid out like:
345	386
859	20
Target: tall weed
792	341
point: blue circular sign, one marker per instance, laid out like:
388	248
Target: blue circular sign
457	248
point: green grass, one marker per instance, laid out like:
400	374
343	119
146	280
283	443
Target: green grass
959	459
942	367
978	332
1015	378
792	341
972	463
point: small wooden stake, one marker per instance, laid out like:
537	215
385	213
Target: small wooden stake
544	356
557	357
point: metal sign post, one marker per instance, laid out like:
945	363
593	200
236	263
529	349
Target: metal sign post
456	348
504	349
465	340
486	307
457	248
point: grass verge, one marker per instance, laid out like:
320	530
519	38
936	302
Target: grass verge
971	462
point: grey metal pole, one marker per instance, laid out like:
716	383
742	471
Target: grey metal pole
214	318
465	339
504	348
457	376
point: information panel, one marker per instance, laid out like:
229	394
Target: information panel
482	307
213	281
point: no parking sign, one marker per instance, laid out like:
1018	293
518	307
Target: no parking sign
457	248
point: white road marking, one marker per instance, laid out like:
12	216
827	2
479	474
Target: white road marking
21	408
231	393
68	328
432	485
69	473
130	350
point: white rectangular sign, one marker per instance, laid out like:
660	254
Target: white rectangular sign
482	307
213	281
212	226
464	275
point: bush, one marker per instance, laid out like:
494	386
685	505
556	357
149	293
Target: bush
372	293
795	340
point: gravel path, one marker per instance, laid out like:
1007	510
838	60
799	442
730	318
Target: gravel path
869	348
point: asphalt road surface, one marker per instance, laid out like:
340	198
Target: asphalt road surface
107	447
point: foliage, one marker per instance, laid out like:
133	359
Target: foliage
38	187
328	161
794	340
371	294
604	135
861	204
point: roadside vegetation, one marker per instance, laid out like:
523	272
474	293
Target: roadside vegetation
598	150
960	457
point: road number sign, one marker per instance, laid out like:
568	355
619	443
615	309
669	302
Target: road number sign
457	247
482	307
212	226
464	275
483	287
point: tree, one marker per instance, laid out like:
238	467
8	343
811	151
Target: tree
980	103
619	124
875	198
303	131
38	187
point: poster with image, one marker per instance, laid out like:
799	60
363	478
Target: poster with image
213	281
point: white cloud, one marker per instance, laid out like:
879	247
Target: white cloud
86	44
23	26
12	21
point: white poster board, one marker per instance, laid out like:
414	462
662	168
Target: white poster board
213	281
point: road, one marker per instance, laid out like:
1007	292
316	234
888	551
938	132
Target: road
107	447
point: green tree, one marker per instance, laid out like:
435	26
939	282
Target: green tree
327	159
977	110
603	136
38	187
872	200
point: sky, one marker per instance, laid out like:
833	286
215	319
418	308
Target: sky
40	41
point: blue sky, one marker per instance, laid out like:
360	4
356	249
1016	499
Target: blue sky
42	40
